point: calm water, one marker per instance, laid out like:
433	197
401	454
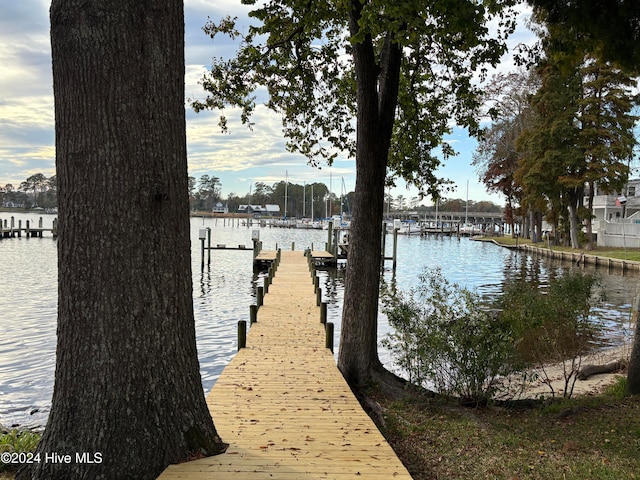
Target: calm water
223	292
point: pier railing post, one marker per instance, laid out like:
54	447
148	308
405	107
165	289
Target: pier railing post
395	248
253	313
260	296
242	334
318	297
328	336
202	235
323	313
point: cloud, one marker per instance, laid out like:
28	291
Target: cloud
238	159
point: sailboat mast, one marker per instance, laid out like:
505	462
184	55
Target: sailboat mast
466	213
286	186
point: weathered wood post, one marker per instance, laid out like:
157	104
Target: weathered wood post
323	313
318	296
328	336
255	238
54	229
260	296
253	313
208	246
266	284
395	248
242	334
202	235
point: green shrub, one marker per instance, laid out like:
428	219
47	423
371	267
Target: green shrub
445	339
17	441
553	325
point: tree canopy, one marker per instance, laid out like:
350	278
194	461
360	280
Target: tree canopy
610	27
402	71
301	53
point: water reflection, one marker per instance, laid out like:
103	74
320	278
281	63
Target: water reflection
225	289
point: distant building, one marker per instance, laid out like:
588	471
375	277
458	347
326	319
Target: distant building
270	210
617	216
612	207
220	208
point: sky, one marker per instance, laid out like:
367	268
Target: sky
239	159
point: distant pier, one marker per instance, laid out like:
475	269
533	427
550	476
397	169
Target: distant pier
9	228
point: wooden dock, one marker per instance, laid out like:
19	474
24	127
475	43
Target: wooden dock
266	257
283	405
9	229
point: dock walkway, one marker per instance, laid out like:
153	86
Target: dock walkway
283	405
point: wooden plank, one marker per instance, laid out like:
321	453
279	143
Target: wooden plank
282	404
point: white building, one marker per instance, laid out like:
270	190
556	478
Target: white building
220	208
617	217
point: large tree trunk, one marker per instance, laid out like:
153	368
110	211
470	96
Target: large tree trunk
589	219
573	225
633	371
127	389
377	94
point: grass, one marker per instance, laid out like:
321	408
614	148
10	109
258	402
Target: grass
632	254
591	437
16	441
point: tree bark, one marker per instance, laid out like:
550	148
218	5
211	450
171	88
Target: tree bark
128	392
377	94
573	225
589	219
633	370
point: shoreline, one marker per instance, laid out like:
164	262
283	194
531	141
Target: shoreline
593	385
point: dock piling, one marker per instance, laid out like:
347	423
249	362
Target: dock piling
328	331
260	296
242	334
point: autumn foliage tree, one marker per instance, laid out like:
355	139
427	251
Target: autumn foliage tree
497	158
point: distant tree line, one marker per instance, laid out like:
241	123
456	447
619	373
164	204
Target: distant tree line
206	192
35	191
